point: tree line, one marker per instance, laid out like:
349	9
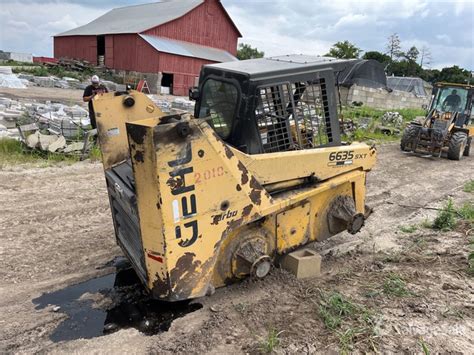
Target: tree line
414	62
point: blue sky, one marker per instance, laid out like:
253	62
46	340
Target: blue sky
277	26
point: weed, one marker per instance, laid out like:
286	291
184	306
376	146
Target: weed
469	187
348	320
334	308
424	347
446	218
13	152
95	154
271	342
426	224
466	212
394	285
408	229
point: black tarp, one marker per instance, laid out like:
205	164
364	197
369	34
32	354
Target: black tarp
368	73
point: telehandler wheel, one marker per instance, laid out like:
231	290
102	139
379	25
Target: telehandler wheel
409	134
457	145
468	147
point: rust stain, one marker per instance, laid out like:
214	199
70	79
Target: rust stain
246	211
138	157
161	286
245	173
137	133
184	276
256	192
228	152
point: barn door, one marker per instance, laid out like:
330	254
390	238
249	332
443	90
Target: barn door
109	51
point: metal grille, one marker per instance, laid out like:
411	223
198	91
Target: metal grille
293	116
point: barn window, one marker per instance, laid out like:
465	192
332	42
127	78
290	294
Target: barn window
219	102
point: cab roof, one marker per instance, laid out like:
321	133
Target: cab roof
293	63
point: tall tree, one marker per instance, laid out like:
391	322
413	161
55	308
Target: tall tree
344	50
412	54
246	51
380	57
393	46
454	74
425	56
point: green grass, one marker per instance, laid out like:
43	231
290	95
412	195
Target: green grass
370	133
469	186
59	71
466	211
95	154
355	113
270	342
424	347
394	285
446	218
13	152
56	71
349	321
14	63
409	229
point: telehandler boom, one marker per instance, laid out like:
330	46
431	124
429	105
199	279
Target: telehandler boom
201	201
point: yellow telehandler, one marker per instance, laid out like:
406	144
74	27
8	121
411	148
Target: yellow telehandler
259	170
448	126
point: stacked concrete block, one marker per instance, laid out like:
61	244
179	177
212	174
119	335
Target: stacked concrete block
383	99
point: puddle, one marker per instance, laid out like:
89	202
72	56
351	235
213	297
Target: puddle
131	307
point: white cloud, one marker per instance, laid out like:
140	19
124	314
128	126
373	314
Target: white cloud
351	20
275	26
28	26
443	37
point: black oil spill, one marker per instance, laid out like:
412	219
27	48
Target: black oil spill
129	306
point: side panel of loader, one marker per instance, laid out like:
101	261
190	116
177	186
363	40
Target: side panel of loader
195	196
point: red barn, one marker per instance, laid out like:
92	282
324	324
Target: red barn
171	39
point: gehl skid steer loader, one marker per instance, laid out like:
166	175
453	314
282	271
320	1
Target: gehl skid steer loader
201	201
448	125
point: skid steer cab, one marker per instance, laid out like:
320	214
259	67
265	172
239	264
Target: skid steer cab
200	201
448	126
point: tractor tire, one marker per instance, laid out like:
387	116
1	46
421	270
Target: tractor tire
457	145
468	147
409	134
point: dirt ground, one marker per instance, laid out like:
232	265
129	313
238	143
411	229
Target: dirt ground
70	96
56	230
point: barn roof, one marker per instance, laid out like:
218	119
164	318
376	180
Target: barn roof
188	49
136	18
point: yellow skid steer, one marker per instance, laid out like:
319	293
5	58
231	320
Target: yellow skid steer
200	201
